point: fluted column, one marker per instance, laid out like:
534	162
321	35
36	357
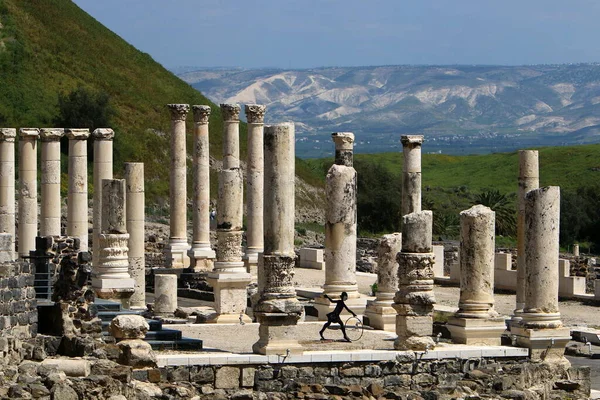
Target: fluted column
50	182
103	169
7	184
255	115
28	191
176	250
135	221
411	173
77	201
201	254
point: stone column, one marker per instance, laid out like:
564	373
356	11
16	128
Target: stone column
77	201
201	254
229	277
576	249
340	230
103	169
414	300
540	328
7	183
50	182
111	279
528	180
28	216
380	312
255	115
476	322
176	250
165	294
411	173
278	309
135	221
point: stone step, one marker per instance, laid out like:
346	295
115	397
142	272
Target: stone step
154	325
181	344
110	315
164	335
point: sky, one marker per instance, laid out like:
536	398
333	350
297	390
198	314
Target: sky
318	33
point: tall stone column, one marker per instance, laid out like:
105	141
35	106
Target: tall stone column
176	250
135	223
255	115
415	299
7	184
50	182
411	173
278	309
77	201
28	216
380	312
540	328
103	169
476	322
229	277
529	179
340	230
201	255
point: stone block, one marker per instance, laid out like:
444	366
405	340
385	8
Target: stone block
128	327
72	368
137	353
248	375
476	331
227	378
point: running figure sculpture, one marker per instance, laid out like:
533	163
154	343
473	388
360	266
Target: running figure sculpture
334	316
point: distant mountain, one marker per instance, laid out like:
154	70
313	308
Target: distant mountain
461	109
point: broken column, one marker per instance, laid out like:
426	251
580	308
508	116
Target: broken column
476	322
414	299
576	249
50	182
177	248
111	279
540	328
77	201
278	309
255	115
7	184
165	294
103	169
201	254
229	277
135	216
28	216
411	173
340	230
380	312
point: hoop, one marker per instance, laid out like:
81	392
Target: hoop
354	328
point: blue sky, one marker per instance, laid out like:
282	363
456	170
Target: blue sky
313	33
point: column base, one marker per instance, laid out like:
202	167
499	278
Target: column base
251	265
476	331
201	259
230	296
113	283
381	315
414	332
356	302
176	254
543	344
277	335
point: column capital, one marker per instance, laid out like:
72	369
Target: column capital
230	112
411	140
103	134
51	134
77	134
178	111
255	113
201	114
8	134
29	133
343	140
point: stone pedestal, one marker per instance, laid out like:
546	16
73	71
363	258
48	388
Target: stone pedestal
201	255
165	294
50	182
476	322
177	248
135	221
77	201
7	184
380	312
103	169
28	208
411	173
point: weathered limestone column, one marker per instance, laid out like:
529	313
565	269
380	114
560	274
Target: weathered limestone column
476	322
278	309
414	299
111	279
176	250
255	115
229	277
380	312
340	230
411	173
50	182
77	201
529	179
201	255
541	329
135	224
165	294
7	183
103	169
576	249
28	216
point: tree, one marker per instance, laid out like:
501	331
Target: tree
506	220
84	108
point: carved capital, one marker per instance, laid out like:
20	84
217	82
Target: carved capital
255	113
343	140
201	114
29	133
8	134
77	134
230	112
178	111
277	274
411	140
229	247
103	134
51	134
414	267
